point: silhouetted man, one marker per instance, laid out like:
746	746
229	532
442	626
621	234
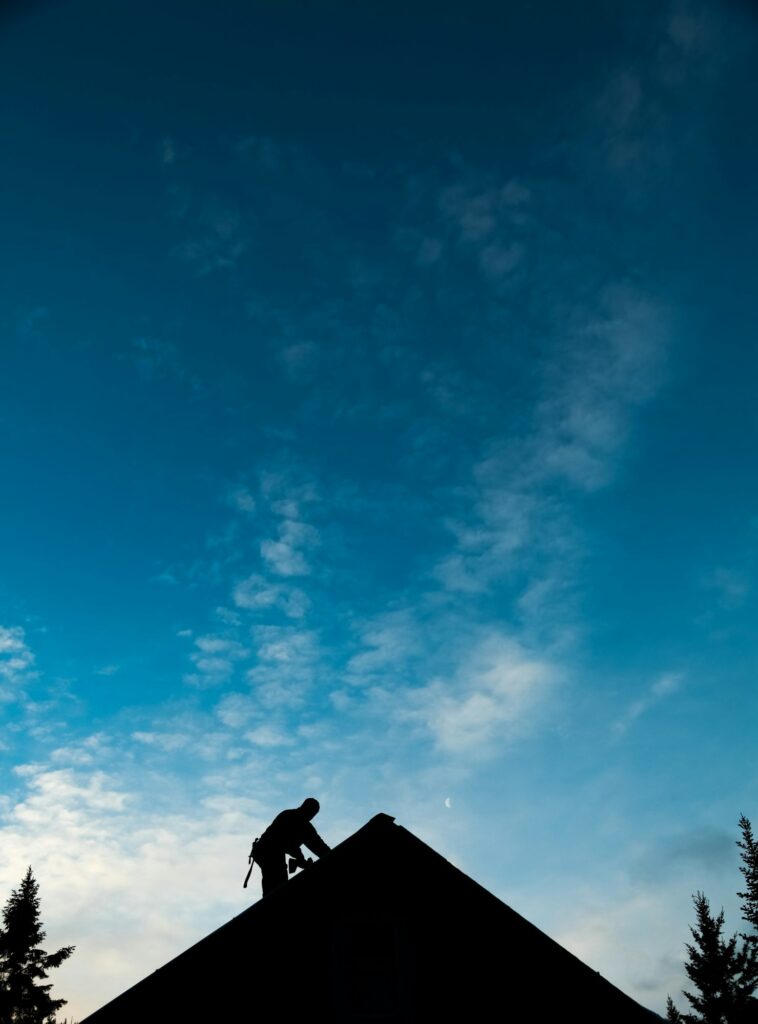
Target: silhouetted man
285	835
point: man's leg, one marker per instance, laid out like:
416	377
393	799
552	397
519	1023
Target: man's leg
274	871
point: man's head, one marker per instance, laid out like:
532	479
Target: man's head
310	807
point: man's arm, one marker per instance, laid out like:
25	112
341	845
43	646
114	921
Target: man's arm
314	842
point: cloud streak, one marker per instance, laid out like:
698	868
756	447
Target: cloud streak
16	663
665	686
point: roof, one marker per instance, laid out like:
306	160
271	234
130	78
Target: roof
383	928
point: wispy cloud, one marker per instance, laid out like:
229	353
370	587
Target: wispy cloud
280	503
107	670
241	499
236	710
16	663
214	659
663	687
634	129
489	702
256	593
610	364
166	741
269	736
286	556
695	28
287	662
388	641
484	218
265	622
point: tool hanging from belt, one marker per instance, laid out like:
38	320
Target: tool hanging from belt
251	859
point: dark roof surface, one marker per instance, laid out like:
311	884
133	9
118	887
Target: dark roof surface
382	911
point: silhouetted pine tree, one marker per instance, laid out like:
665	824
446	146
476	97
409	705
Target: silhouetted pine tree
749	869
723	971
673	1016
23	965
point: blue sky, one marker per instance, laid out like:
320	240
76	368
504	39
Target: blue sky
377	422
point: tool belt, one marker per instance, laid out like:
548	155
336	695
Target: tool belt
251	861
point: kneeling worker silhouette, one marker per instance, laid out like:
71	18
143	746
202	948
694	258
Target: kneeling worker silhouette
285	835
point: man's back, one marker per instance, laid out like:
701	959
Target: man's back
289	831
